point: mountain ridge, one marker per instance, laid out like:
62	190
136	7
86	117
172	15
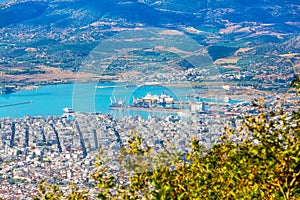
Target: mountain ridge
158	13
61	33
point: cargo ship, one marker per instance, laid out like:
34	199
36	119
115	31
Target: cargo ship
154	100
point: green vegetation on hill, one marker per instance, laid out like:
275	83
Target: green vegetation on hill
27	71
217	52
19	12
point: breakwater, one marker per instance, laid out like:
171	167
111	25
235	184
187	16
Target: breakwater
16	104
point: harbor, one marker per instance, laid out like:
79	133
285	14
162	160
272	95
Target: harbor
50	100
164	103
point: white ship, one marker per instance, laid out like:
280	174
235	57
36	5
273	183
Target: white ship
155	99
68	110
227	99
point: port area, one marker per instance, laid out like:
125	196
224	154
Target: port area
173	110
177	107
166	104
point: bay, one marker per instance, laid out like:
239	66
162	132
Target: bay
84	97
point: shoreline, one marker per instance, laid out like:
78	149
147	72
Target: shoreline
239	95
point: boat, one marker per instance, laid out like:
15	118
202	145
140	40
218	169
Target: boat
227	99
153	100
116	104
106	86
7	89
152	84
68	110
166	99
130	85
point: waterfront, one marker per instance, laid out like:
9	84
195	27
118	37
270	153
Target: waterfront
50	100
62	148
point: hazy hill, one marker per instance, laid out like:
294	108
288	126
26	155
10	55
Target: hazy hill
150	12
63	32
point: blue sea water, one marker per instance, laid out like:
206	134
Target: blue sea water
50	100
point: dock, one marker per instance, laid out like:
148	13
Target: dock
128	85
16	104
154	109
115	86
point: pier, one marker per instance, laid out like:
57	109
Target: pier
116	86
16	104
128	85
154	109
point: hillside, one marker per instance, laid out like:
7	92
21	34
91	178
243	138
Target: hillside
62	33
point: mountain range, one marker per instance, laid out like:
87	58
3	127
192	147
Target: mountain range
150	12
63	32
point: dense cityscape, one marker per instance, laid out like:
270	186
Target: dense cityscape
61	150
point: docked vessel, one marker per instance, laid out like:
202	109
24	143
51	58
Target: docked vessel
7	89
117	104
68	110
154	100
227	99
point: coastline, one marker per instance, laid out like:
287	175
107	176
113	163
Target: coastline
56	76
237	95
